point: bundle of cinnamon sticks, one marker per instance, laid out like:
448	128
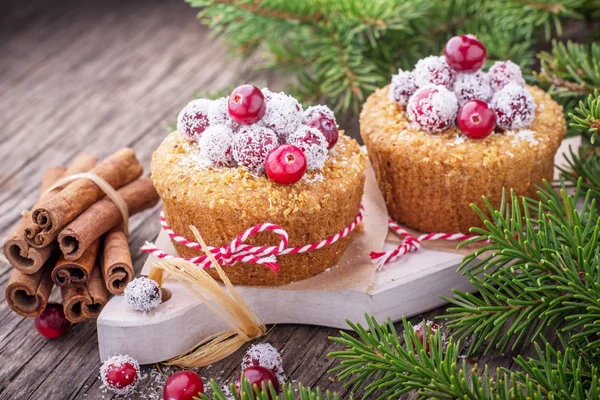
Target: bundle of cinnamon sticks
74	237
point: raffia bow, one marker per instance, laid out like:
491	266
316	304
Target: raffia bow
226	302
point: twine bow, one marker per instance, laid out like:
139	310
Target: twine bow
239	251
410	243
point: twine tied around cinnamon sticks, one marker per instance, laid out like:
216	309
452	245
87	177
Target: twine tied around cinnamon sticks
226	302
110	192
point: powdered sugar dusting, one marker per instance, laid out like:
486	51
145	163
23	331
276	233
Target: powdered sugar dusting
514	107
219	115
522	134
504	72
460	139
267	356
142	294
313	111
314	145
475	86
283	114
193	118
215	145
402	87
117	362
433	108
433	70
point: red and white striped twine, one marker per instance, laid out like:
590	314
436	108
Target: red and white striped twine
239	251
410	243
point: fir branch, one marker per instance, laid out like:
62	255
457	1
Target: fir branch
288	392
386	367
585	166
539	272
571	69
586	117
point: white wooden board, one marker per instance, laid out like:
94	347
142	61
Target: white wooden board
407	287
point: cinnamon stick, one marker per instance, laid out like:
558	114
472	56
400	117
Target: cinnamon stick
27	295
16	249
82	301
117	267
55	213
67	272
82	163
103	215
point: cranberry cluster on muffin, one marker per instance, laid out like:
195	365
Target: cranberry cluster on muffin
258	157
447	133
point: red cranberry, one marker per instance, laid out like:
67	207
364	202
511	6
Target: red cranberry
403	86
465	53
285	164
251	146
476	119
246	104
423	330
52	323
327	126
433	108
265	355
257	375
514	107
193	119
183	385
120	374
215	145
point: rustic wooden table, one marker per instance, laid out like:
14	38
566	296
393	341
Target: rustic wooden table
97	76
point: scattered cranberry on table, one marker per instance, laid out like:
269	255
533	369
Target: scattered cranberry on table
476	119
285	164
465	53
246	104
423	331
52	323
183	385
258	375
120	374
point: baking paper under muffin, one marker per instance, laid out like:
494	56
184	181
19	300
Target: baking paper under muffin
224	202
429	180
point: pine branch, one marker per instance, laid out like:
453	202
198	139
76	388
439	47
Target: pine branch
585	166
586	117
386	367
571	70
539	272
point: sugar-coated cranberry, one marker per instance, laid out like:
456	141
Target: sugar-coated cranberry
251	146
259	376
476	119
473	86
264	355
403	86
143	294
193	119
434	70
514	107
183	385
504	72
314	145
423	331
433	108
283	115
285	164
218	114
465	53
246	104
120	374
52	323
322	118
215	145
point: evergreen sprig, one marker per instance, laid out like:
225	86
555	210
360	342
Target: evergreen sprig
584	165
386	366
341	51
288	392
586	117
538	272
